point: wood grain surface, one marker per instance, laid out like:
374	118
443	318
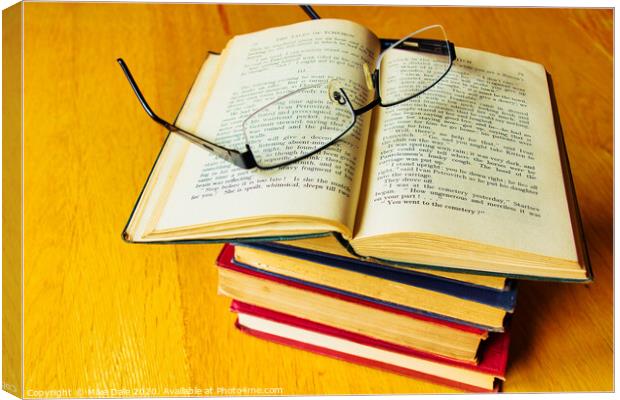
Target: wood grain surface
113	318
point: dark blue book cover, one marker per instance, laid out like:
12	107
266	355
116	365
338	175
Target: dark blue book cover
357	297
504	299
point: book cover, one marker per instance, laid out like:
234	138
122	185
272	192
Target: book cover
226	260
494	354
505	299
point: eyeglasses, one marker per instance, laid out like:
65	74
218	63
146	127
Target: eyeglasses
310	119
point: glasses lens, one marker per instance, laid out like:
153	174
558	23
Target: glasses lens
298	124
413	64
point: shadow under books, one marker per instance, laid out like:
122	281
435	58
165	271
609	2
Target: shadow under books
537	304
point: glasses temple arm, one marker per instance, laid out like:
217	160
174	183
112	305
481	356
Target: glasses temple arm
310	11
243	160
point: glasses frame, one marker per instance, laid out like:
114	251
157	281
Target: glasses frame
246	160
346	101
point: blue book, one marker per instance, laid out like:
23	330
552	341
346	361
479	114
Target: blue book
406	289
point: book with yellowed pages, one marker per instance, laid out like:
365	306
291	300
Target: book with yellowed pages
334	342
295	254
470	176
376	283
451	301
438	334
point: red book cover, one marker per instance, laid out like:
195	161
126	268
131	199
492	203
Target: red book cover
226	257
493	363
494	352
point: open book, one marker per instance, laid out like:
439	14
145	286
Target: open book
471	175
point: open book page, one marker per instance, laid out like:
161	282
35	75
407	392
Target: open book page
316	194
475	159
169	158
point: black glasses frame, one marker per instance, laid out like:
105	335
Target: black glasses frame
246	160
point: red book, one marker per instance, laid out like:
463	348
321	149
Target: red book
334	342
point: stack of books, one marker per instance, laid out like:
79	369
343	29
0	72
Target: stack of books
394	246
446	327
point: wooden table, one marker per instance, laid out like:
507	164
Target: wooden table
104	315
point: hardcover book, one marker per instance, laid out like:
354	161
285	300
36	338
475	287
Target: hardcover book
327	249
440	335
334	342
395	288
364	277
472	175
